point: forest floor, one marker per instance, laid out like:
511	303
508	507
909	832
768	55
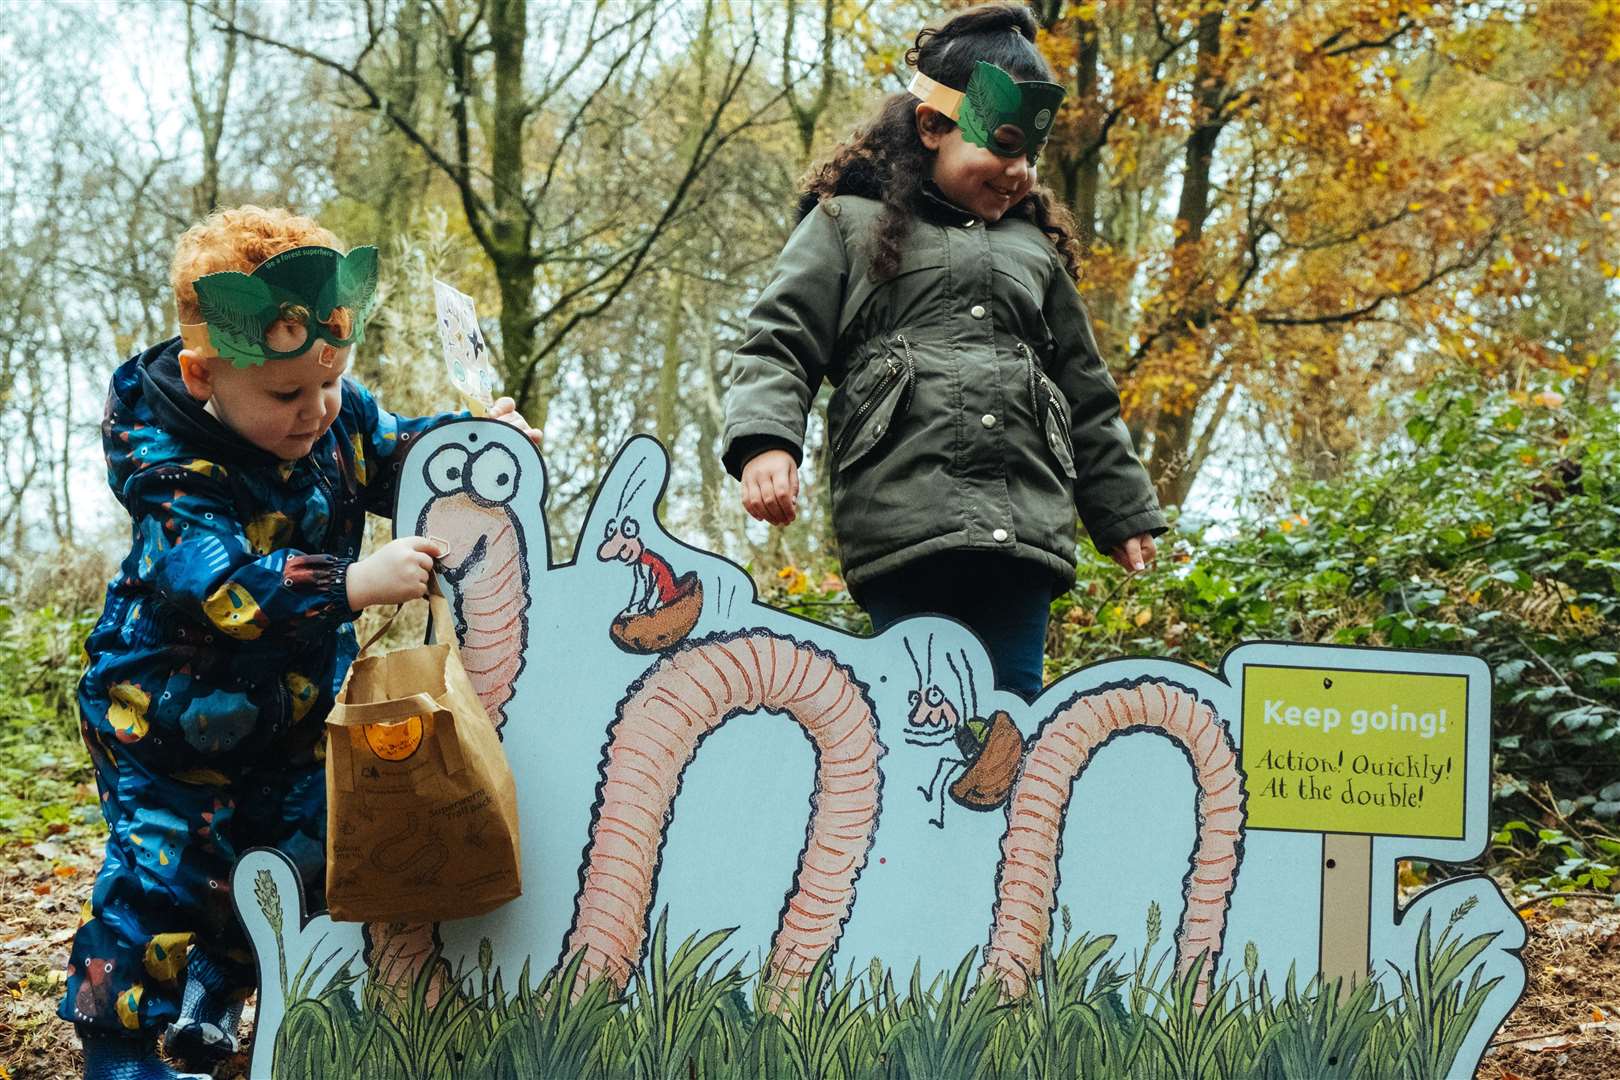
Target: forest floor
1567	1026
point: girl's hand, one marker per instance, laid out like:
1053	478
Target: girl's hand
770	487
1137	553
394	573
505	410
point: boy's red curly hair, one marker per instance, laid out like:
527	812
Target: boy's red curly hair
238	238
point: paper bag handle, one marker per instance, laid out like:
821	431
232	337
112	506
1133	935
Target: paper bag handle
381	630
382	712
445	738
438	616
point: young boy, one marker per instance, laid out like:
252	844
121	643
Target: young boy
247	463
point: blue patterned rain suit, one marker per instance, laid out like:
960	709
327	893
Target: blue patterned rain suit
225	635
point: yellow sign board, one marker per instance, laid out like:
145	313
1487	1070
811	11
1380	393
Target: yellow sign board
1375	753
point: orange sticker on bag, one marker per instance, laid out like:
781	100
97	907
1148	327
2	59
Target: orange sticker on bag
395	741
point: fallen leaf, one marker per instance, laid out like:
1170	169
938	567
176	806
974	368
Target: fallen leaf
42	889
65	871
1548	1044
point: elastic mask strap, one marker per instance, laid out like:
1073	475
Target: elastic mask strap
937	94
194	336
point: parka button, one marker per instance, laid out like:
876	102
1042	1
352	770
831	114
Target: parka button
999	536
977	311
988	420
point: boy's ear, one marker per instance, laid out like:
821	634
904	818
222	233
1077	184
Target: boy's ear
932	125
197	373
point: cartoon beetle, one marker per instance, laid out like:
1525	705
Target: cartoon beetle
662	608
990	749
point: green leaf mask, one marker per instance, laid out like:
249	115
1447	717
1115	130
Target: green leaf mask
1008	118
304	285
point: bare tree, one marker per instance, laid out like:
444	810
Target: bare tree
562	248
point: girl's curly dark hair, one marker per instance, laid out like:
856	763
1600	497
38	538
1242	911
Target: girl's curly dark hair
886	159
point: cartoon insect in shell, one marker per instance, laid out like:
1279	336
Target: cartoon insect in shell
987	752
662	608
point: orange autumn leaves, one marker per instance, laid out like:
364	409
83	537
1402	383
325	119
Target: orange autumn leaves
1386	180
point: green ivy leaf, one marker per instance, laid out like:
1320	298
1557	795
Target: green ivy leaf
236	304
357	281
1419	427
990	93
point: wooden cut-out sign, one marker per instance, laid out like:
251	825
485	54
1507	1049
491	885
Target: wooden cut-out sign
698	772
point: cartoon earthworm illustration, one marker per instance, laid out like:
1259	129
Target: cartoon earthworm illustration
1026	883
488	567
690	692
395	953
487	563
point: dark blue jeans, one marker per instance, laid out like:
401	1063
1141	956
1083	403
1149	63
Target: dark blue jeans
1005	601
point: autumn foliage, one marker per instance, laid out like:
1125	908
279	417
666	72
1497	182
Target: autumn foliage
1296	209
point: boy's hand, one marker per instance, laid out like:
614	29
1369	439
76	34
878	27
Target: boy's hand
770	486
394	573
505	410
1137	553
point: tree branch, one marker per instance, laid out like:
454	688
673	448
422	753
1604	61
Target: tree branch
476	210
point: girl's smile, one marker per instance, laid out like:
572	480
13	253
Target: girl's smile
980	182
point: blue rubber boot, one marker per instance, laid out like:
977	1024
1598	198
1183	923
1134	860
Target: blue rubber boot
206	1031
120	1057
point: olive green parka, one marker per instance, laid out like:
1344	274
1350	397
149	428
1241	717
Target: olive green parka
971	408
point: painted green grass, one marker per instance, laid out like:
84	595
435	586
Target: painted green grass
696	1010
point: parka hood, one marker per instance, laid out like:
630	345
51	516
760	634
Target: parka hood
151	417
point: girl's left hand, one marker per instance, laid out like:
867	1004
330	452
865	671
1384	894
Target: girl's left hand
505	410
1137	553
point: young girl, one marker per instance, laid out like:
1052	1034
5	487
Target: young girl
932	283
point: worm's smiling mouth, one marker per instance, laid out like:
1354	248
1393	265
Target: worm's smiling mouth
454	574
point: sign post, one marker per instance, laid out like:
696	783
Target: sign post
1350	755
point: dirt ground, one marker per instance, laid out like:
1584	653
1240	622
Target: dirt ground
1567	1027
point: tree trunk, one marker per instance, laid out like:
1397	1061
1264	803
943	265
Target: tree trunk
806	117
514	278
509	223
1170	464
1082	184
710	413
669	373
210	113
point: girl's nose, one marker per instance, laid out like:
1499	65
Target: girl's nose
1018	169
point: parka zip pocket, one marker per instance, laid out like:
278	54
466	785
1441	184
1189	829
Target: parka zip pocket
1051	413
875	416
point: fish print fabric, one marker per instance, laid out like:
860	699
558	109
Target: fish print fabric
226	633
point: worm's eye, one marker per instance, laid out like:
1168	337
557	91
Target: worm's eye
612	529
494	475
447	469
936	697
630	529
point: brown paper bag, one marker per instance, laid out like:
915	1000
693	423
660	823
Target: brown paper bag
421	809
